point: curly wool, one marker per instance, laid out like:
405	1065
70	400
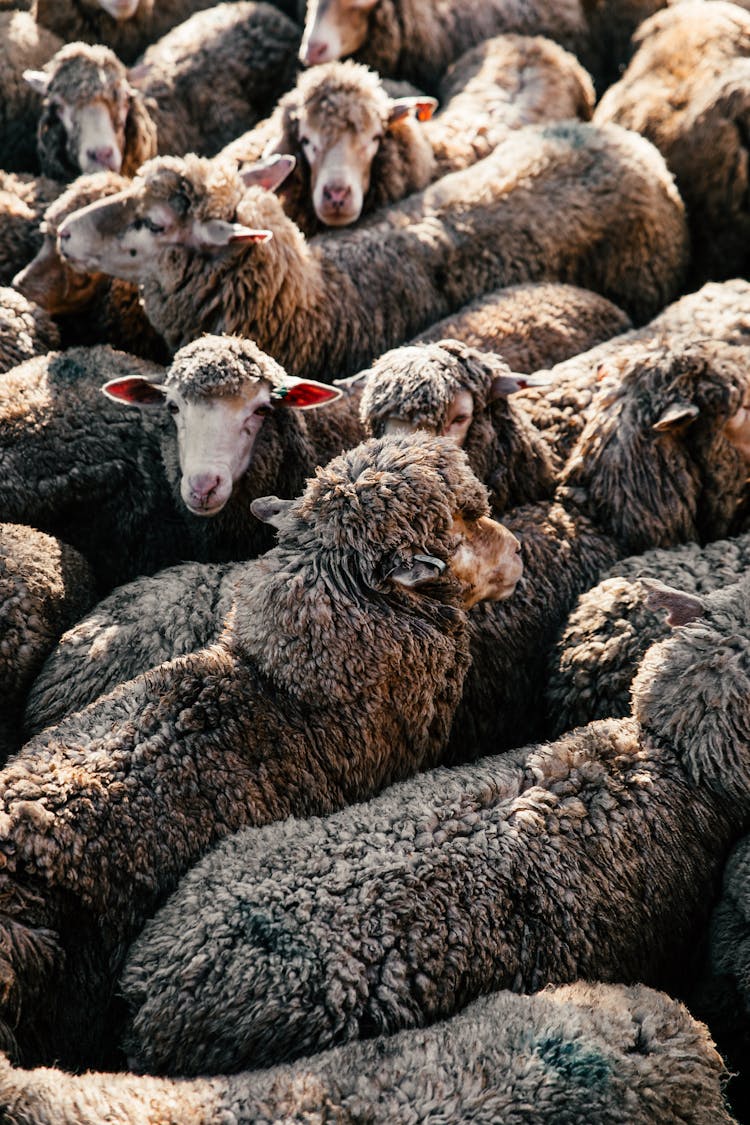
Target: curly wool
25	330
583	1052
301	706
23	199
686	90
24	45
593	857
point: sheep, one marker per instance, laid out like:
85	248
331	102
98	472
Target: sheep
216	75
418	40
44	587
357	149
284	713
686	89
721	993
533	326
23	199
655	465
717	311
25	330
593	857
91	118
328	307
581	1052
77	468
610	627
89	308
183	608
23	45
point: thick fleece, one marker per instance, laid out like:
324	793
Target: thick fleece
626	487
44	587
26	330
595	856
533	326
687	89
24	45
564	202
89	308
83	469
611	626
302	706
593	1054
217	74
23	199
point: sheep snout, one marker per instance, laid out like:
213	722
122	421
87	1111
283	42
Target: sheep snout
487	561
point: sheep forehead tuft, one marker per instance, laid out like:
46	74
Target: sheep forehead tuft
389	495
84	190
706	374
211	189
215	366
418	382
344	95
81	73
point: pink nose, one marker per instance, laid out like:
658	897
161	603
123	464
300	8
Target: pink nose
314	53
203	485
104	157
336	195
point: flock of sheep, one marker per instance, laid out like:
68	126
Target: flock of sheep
374	626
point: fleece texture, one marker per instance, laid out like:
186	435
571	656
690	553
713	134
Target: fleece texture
23	198
596	856
26	329
24	45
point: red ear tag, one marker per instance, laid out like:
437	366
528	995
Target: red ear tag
306	394
425	111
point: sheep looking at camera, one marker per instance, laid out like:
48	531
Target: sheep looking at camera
210	256
580	1052
593	857
288	712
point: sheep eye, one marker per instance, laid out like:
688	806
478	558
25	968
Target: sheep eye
173	408
263	410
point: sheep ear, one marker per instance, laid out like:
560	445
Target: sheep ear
38	80
138	74
423	108
270	172
219	232
270	509
506	384
303	394
676	416
424	569
135	390
682	608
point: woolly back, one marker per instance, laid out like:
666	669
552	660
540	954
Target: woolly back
653	465
692	692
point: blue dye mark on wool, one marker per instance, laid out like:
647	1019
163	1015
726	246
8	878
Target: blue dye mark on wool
575	1063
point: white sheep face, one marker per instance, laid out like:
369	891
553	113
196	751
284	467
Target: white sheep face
458	419
334	29
339	172
96	133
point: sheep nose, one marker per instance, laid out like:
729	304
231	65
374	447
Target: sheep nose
315	52
336	195
104	157
204	485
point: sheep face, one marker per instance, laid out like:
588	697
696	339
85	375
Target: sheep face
334	29
737	429
487	561
459	414
120	10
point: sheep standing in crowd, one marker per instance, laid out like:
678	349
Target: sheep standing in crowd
26	330
656	464
389	542
358	149
594	857
210	258
533	326
44	586
580	1052
611	626
418	39
184	608
217	75
89	308
23	45
687	89
23	199
91	117
717	311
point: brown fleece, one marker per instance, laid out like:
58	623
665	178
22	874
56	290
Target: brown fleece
25	330
24	45
23	199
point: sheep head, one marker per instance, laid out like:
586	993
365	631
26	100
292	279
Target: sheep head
334	29
692	690
92	119
336	122
175	202
219	390
47	279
